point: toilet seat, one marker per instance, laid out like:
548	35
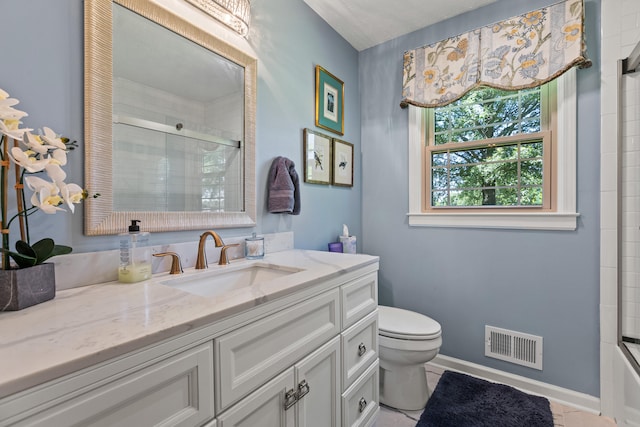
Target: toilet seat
406	325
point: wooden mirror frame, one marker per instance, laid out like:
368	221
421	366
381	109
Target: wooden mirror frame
100	218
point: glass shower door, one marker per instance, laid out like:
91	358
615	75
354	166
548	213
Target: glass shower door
630	216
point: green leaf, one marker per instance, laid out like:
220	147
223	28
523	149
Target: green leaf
61	250
23	248
23	261
43	249
46	249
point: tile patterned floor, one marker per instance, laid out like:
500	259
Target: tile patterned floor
563	416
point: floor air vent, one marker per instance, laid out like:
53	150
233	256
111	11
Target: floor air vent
514	347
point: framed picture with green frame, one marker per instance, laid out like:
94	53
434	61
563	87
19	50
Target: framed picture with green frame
329	101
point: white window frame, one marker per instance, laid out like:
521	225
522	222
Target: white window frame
565	216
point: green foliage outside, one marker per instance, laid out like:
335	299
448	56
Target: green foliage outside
507	174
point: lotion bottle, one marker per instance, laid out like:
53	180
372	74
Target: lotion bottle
135	255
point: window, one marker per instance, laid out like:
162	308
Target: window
499	159
491	149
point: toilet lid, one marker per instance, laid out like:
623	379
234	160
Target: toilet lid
404	324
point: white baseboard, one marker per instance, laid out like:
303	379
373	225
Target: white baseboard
561	395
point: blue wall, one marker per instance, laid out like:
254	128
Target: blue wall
42	45
540	282
545	283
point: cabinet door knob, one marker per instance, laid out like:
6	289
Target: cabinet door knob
362	404
362	349
290	399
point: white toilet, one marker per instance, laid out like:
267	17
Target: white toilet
407	340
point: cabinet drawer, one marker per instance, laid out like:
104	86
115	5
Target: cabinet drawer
360	401
359	348
249	356
359	298
177	391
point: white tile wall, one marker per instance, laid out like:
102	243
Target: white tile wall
620	31
153	171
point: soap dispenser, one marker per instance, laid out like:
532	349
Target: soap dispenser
135	255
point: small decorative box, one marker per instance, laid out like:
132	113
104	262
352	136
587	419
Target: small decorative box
254	247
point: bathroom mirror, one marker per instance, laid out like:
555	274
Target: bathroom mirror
169	122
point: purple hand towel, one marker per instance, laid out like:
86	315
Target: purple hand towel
284	187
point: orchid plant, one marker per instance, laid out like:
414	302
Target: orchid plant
31	155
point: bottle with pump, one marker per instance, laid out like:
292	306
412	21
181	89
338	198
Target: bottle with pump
135	255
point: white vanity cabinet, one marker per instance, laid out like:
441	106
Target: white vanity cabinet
143	389
247	357
317	390
305	395
308	359
360	352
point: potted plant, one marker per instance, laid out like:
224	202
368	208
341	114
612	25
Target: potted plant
25	278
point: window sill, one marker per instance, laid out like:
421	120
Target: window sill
505	220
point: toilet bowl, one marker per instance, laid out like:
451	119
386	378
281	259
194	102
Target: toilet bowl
407	340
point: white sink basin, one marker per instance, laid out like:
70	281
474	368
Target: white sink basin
213	282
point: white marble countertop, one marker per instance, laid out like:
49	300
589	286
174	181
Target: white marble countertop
87	325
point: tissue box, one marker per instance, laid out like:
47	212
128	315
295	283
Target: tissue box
348	244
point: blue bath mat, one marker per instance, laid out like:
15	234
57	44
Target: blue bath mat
461	400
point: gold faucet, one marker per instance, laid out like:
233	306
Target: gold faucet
201	260
224	259
176	265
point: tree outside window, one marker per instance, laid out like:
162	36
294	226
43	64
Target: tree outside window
490	149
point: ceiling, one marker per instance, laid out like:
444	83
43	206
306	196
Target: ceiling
366	23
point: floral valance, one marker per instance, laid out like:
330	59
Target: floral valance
521	52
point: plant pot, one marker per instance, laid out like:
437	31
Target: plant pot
24	287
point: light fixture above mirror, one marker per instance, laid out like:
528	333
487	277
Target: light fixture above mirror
235	14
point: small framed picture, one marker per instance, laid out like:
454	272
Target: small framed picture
342	163
317	157
329	101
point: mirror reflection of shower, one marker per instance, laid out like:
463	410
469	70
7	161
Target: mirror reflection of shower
178	115
629	215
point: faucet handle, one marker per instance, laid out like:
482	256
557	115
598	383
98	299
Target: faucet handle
224	259
176	264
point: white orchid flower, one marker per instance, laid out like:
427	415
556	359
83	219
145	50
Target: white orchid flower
58	157
45	152
37	144
7	112
28	160
10	127
52	139
10	117
35	183
72	193
56	173
45	194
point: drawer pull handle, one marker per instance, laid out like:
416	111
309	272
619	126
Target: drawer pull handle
362	404
303	389
292	396
362	349
290	399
